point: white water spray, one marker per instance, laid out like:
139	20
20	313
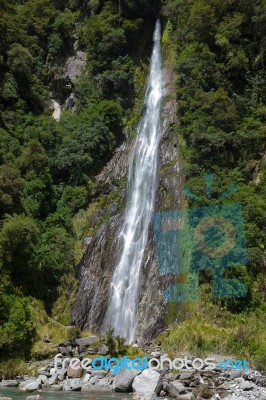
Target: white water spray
124	288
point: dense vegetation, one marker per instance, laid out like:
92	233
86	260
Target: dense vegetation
219	52
47	168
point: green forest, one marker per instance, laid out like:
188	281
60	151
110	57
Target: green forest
47	171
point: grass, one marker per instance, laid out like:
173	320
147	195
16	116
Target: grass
12	368
211	329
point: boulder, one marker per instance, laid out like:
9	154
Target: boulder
101	373
30	386
53	378
37	397
103	350
86	378
63	350
96	389
43	371
149	381
74	372
9	383
175	388
42	378
124	379
62	374
87	341
72	384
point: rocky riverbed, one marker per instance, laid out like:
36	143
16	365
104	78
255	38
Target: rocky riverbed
144	385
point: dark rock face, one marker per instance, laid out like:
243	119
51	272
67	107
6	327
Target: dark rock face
94	275
97	266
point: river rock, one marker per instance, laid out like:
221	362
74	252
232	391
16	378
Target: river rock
62	374
42	378
87	341
5	398
246	386
9	383
96	388
72	384
176	388
101	373
43	371
37	397
147	396
52	380
149	381
74	373
124	379
30	386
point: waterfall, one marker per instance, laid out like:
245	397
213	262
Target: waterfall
142	175
57	110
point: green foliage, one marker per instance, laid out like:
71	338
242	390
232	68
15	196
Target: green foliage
16	328
90	139
111	342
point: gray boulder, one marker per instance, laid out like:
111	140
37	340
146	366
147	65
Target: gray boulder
72	384
53	378
43	371
176	388
149	381
42	378
87	341
30	386
96	389
9	383
124	379
101	373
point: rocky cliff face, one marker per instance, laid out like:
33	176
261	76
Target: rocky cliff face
96	268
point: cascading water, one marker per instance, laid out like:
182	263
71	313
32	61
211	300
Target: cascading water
124	288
